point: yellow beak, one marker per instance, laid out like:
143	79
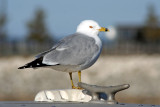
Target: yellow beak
102	29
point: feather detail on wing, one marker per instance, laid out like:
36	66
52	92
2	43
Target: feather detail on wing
72	50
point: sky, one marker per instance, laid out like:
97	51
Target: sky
63	16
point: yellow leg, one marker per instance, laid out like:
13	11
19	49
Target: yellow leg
70	74
79	75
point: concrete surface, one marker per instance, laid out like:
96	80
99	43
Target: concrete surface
68	104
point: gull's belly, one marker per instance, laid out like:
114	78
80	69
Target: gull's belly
66	68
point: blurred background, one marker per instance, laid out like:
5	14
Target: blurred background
131	50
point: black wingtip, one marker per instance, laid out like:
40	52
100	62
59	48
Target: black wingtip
34	64
21	67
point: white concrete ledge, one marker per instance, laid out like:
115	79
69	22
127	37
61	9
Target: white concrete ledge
63	95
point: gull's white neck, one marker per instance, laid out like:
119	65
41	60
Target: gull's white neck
98	41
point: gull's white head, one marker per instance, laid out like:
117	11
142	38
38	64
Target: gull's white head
90	27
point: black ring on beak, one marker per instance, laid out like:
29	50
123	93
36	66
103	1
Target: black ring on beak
106	29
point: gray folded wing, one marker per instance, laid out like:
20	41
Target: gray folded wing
75	49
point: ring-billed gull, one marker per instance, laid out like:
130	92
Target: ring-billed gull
73	53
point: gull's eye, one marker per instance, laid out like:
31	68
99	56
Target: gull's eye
90	26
